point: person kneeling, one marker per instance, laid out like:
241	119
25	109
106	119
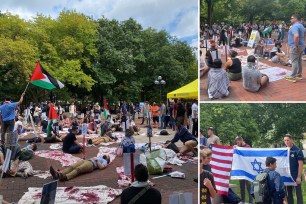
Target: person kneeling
81	167
70	144
189	141
253	79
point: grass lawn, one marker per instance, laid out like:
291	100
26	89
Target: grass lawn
247	197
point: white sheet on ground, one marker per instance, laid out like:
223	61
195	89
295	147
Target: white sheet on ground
70	195
276	73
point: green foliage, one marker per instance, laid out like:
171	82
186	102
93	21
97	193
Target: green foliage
263	124
95	58
241	11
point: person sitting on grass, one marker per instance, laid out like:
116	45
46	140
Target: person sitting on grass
233	66
81	167
189	141
218	81
70	144
253	79
140	192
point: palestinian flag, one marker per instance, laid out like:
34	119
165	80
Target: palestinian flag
40	77
52	115
269	28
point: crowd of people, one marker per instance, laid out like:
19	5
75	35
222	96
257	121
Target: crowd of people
221	74
279	193
179	116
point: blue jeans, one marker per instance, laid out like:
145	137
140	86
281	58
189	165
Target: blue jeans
36	120
74	149
162	122
172	122
6	125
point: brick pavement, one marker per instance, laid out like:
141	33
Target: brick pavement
12	189
280	90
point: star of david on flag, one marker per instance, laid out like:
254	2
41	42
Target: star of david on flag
249	162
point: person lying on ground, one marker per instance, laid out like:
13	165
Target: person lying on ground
279	56
81	167
253	79
70	144
218	81
149	195
104	139
233	66
188	140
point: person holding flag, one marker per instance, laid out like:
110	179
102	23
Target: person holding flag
7	112
52	128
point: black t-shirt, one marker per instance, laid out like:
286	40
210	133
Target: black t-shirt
68	141
236	66
152	196
204	191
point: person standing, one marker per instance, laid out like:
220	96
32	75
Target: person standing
296	159
7	111
244	184
194	116
212	138
276	185
162	114
72	110
297	46
155	113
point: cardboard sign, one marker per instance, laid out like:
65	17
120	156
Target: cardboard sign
49	193
255	37
7	160
130	160
180	198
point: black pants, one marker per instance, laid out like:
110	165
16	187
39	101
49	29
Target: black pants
6	125
298	193
245	184
195	127
223	40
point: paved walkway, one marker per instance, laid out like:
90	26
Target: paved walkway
280	90
12	189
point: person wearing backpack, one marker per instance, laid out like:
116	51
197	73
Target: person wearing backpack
268	186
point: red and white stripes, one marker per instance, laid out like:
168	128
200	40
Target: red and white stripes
221	166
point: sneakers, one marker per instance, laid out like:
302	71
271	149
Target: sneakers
299	77
289	78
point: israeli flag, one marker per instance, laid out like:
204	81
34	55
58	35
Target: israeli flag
249	162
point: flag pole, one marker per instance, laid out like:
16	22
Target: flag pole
26	87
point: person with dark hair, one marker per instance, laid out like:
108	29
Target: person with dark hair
244	184
7	112
253	79
275	183
128	141
278	55
140	192
81	167
70	144
218	81
233	66
188	140
296	42
296	168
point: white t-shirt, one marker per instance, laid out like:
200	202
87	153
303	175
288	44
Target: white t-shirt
18	123
194	109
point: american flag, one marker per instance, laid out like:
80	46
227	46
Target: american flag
221	166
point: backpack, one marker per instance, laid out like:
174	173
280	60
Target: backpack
164	132
261	188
